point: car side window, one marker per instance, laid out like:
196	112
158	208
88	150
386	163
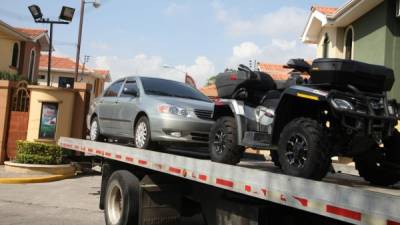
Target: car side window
113	90
130	89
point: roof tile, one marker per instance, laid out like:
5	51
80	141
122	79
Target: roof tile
31	33
324	10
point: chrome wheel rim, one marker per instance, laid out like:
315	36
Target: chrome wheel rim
94	127
219	142
141	135
115	204
297	150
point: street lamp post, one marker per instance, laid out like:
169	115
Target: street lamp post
78	45
65	17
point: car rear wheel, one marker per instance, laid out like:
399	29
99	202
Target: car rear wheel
95	130
223	145
142	133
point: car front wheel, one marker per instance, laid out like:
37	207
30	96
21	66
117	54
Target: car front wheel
142	133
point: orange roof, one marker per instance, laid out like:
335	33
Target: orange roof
58	62
102	72
324	10
210	90
32	33
277	71
67	64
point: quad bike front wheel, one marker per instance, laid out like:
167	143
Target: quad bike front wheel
302	149
223	144
376	165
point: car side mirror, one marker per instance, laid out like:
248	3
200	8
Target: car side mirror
131	92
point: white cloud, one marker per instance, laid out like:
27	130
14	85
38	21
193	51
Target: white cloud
285	22
175	9
146	65
278	51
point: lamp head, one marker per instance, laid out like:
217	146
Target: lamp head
67	13
36	12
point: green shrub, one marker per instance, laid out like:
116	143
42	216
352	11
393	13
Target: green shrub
4	75
38	153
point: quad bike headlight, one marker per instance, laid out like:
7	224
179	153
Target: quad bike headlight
342	104
173	109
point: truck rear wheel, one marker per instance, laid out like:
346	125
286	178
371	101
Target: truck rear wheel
223	145
302	150
121	200
371	164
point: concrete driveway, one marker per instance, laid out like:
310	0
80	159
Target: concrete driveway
72	201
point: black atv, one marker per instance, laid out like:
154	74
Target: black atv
341	109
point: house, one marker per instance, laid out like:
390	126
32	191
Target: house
363	30
20	50
63	74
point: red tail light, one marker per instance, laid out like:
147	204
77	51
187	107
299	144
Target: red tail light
233	77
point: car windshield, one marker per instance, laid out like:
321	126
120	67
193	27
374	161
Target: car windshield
155	86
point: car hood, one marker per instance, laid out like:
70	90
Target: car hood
186	103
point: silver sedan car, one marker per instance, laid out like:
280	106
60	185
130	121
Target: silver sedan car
149	110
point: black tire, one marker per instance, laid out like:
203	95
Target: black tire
223	144
370	165
95	135
303	151
275	158
144	143
122	186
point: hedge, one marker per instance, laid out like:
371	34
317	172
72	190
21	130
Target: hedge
38	153
4	75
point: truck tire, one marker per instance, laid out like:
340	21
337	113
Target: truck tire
143	133
302	149
122	199
94	132
223	144
370	165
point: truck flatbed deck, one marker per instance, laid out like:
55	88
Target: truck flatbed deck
339	196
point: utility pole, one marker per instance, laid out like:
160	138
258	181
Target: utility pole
78	46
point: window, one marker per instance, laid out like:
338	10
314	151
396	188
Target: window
15	55
130	89
66	82
42	76
113	90
31	65
154	86
48	120
325	47
348	46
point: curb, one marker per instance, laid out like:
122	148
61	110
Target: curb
26	180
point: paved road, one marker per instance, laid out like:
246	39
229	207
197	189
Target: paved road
72	201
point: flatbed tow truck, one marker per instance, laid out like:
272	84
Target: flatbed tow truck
149	187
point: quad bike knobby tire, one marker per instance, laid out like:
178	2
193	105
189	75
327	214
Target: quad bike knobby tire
223	145
371	164
302	149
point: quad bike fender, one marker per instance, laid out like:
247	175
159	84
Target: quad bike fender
234	108
298	101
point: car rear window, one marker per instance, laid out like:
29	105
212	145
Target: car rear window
161	87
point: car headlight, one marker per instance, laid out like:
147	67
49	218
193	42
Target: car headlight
173	109
342	104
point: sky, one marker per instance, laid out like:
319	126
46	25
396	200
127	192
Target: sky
202	37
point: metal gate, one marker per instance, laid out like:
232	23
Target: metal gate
18	117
